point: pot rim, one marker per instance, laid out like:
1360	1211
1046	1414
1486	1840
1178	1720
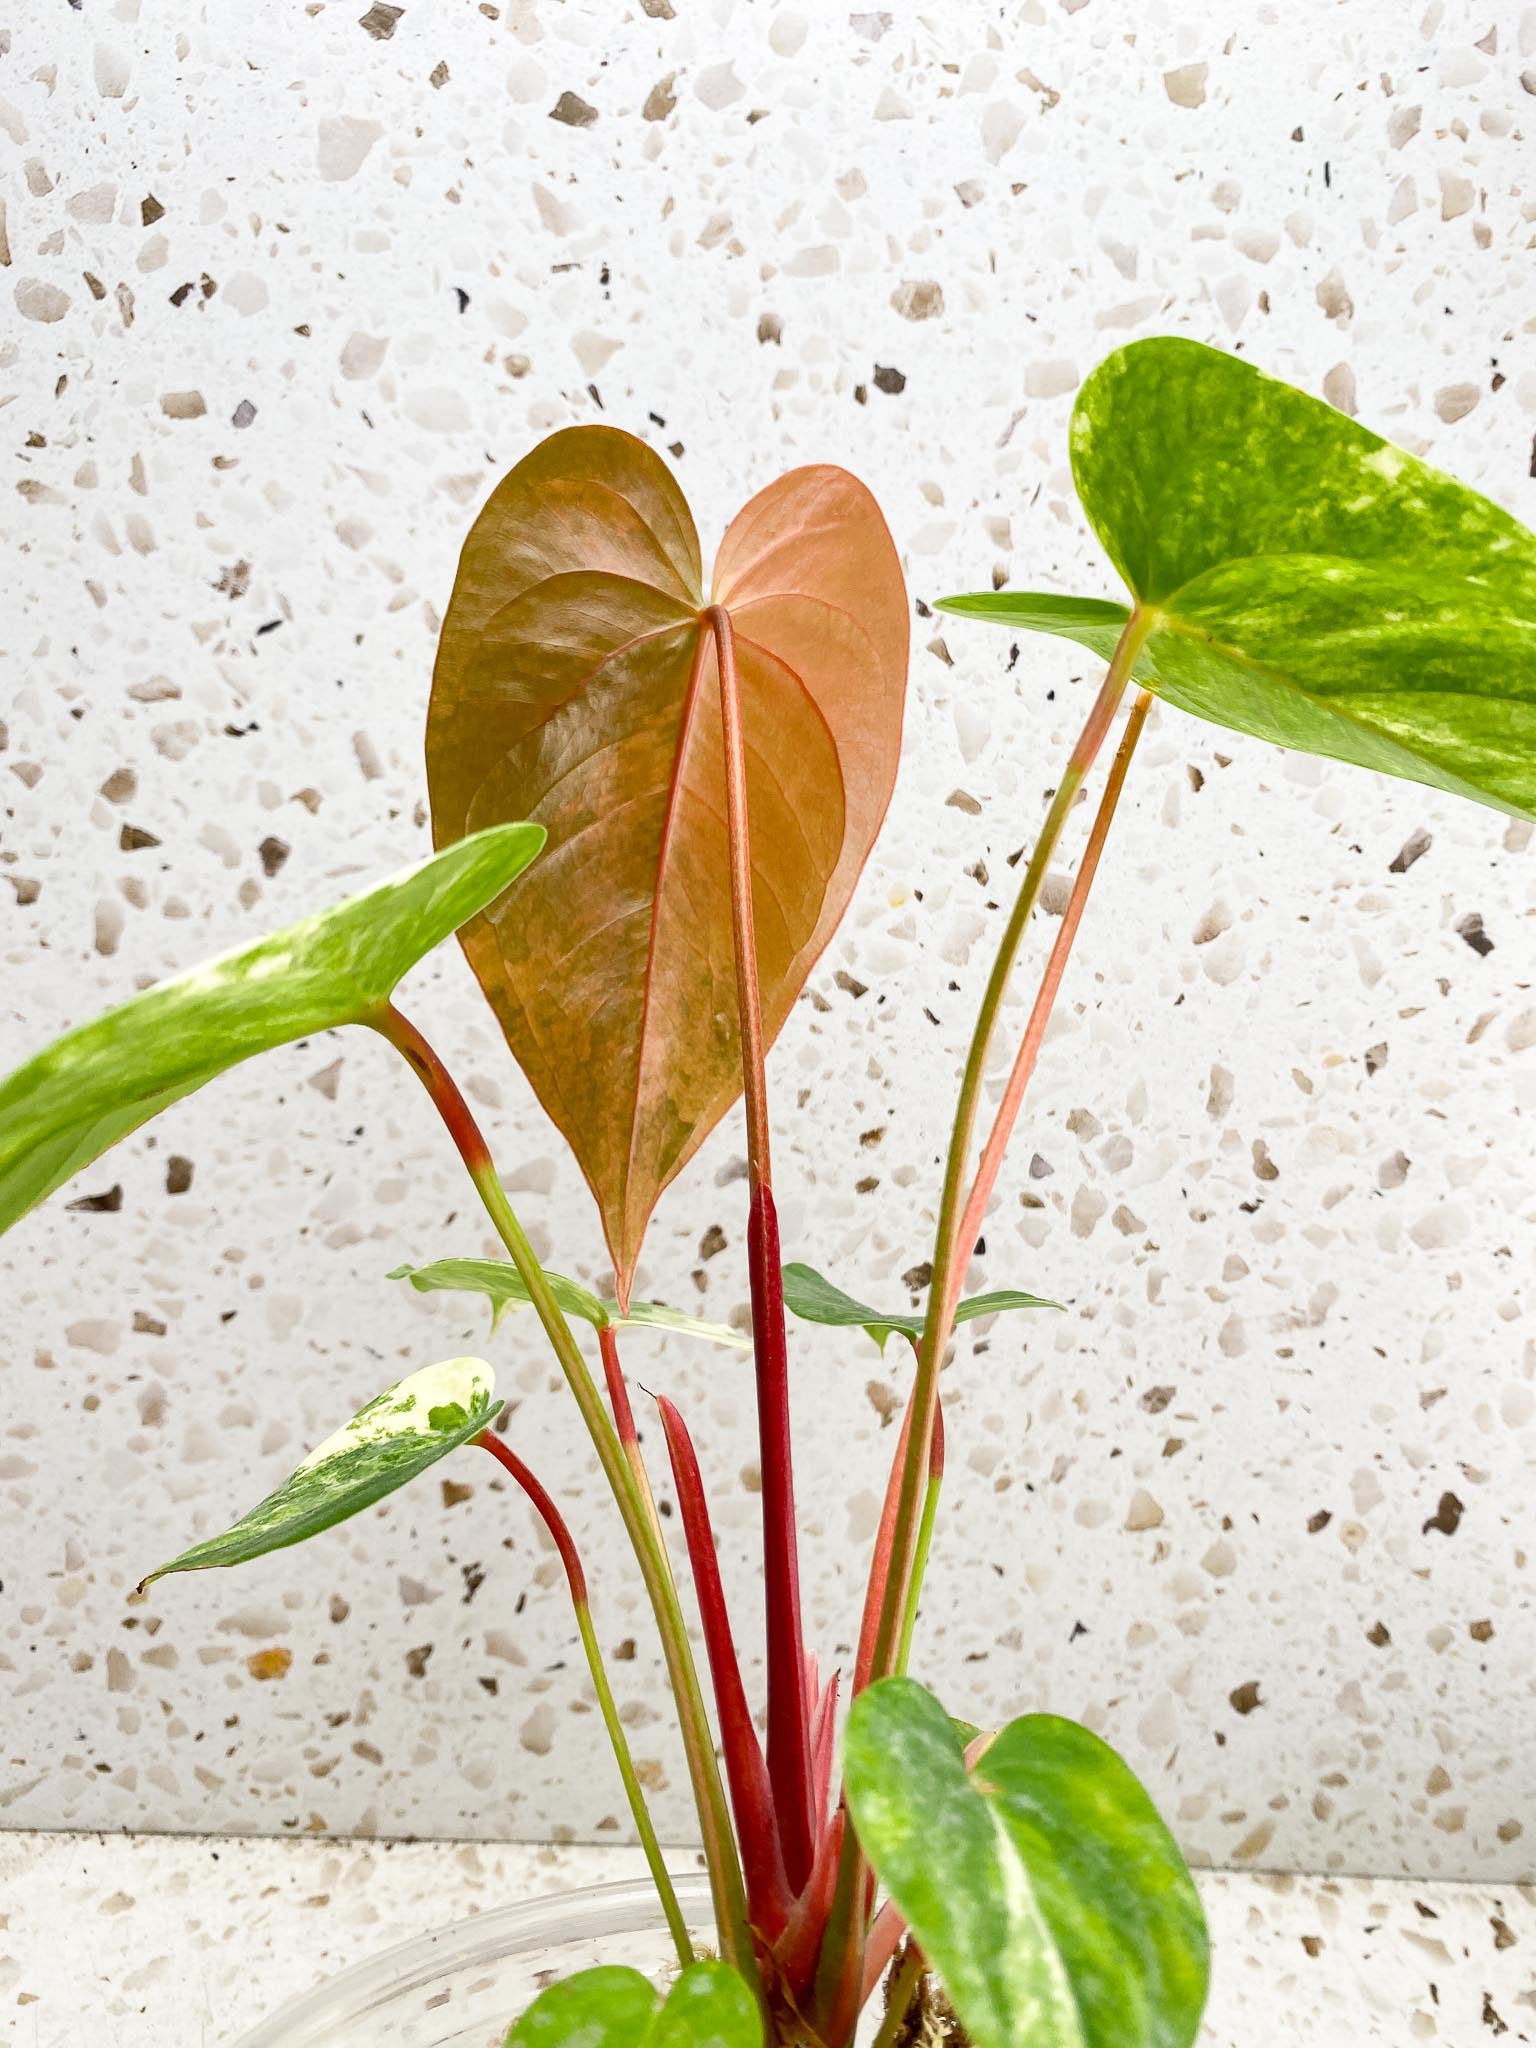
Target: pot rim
613	1907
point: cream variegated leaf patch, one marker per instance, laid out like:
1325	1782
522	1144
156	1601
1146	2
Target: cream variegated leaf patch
501	1284
399	1434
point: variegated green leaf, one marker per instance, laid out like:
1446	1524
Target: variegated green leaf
99	1082
1040	1883
1301	579
811	1296
655	1315
709	2006
397	1435
501	1284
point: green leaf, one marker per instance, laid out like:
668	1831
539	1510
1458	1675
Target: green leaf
609	2007
1041	1884
1095	622
1306	581
811	1296
386	1444
95	1085
499	1282
709	2006
655	1315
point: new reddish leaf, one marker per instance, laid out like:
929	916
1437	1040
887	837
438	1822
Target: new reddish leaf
576	685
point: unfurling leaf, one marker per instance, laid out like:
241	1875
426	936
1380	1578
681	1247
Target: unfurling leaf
811	1296
499	1281
95	1085
385	1445
709	2006
1305	581
1040	1884
576	684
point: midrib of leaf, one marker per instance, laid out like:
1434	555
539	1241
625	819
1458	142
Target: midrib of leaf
663	855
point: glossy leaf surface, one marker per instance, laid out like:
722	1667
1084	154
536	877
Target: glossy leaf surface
78	1096
576	684
499	1281
399	1434
1308	582
1041	1884
611	2007
811	1296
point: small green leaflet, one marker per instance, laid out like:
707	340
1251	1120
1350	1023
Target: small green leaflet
709	2006
499	1281
399	1434
99	1082
1041	1884
1304	580
812	1297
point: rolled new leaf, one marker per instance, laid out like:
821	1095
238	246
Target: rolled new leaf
1304	580
709	2006
502	1285
1040	1884
398	1435
811	1296
78	1096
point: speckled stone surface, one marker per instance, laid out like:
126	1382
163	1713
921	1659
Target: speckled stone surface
281	292
166	1943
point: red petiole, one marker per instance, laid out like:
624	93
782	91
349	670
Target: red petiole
789	1746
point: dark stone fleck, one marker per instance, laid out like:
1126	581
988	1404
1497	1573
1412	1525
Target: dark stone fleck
243	414
1245	1697
1413	848
133	837
178	1174
574	111
1446	1518
889	381
273	852
1470	928
380	20
150	210
106	1204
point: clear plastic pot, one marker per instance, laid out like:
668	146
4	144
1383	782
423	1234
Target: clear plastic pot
463	1986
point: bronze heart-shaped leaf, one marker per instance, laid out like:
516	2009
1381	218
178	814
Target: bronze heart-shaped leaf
576	686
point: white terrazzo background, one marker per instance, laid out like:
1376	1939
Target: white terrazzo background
281	298
185	1944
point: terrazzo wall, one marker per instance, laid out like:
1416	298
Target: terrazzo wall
284	290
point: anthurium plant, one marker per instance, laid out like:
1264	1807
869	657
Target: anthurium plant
652	804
